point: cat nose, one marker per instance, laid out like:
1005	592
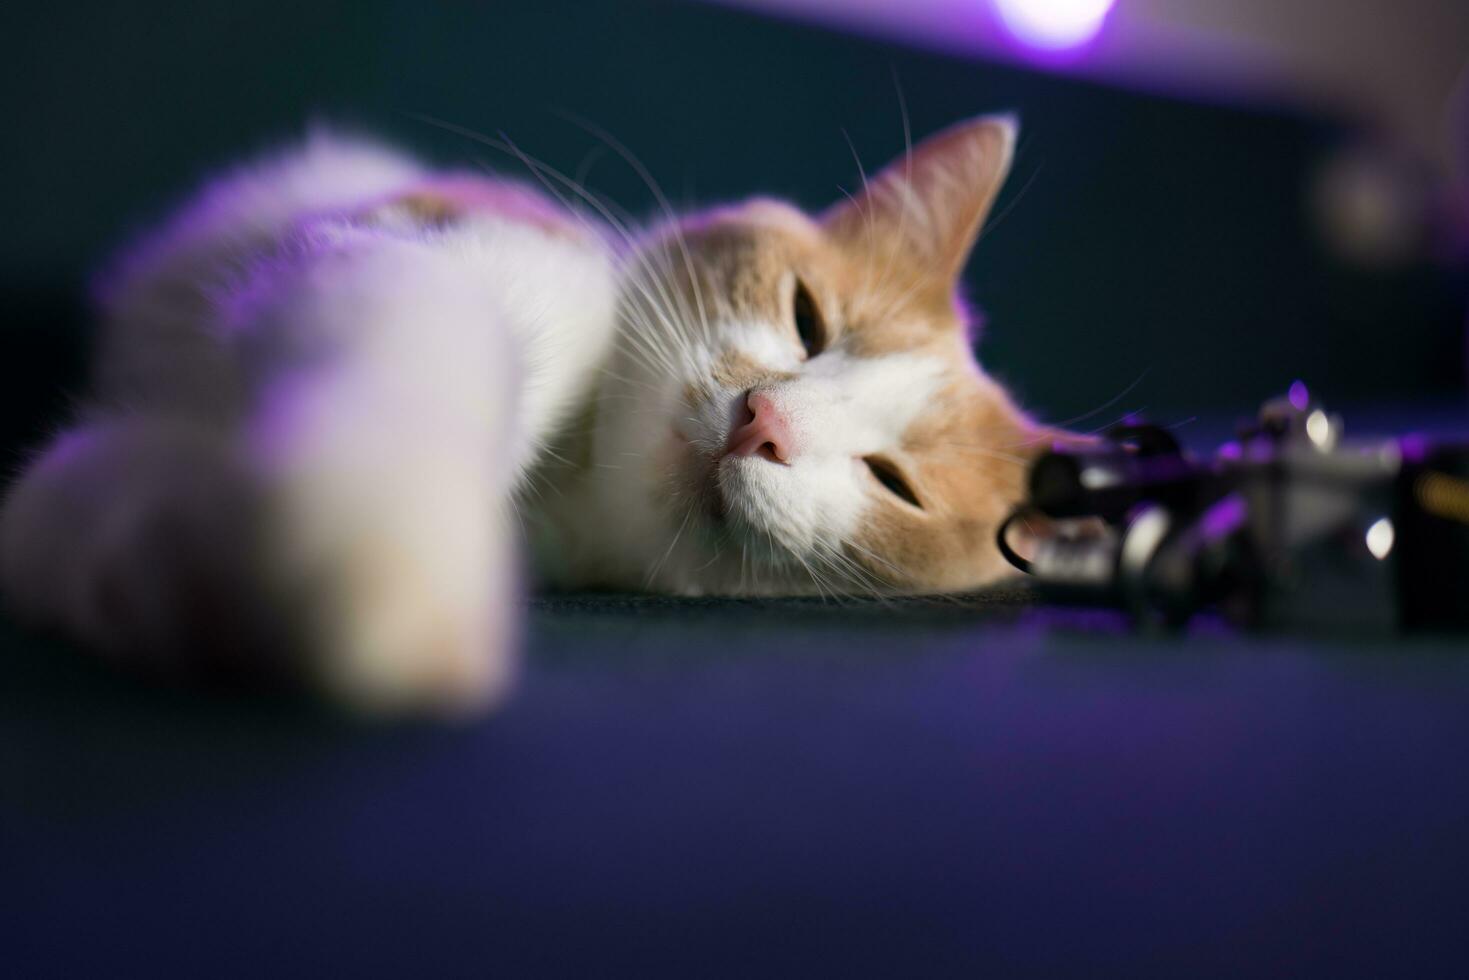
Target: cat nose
763	431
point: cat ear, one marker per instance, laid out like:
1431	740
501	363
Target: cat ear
931	202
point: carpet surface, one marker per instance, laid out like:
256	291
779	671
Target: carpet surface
970	787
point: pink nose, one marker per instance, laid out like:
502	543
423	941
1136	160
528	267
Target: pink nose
763	431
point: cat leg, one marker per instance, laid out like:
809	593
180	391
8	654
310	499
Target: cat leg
386	538
134	536
163	545
388	454
352	526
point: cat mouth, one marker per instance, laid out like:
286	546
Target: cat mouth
732	496
715	483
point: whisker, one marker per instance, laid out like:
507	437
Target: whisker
1106	404
642	171
541	171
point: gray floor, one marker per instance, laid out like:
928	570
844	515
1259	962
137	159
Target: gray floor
970	787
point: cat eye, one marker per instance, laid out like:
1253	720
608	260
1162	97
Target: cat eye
890	477
809	325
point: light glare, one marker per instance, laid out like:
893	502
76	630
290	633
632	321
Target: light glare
1380	538
1318	429
1053	25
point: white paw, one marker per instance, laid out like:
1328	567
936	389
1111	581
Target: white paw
132	537
388	634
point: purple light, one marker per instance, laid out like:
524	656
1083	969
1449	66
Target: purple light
1053	25
1224	518
1300	398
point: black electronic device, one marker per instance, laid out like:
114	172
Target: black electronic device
1289	526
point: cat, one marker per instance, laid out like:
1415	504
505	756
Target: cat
338	390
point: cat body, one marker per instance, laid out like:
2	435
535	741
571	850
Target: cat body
338	389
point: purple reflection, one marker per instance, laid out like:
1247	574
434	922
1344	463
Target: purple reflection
1414	446
1224	517
1299	396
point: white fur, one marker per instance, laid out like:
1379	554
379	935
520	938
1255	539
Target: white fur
378	389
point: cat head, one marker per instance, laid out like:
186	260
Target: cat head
794	405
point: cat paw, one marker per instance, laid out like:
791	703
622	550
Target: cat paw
389	636
133	538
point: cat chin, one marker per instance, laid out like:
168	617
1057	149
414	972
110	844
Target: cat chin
756	506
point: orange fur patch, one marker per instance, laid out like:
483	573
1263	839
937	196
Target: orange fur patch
452	198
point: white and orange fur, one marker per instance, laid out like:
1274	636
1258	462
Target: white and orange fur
337	389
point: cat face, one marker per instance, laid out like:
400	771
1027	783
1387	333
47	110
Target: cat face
794	406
